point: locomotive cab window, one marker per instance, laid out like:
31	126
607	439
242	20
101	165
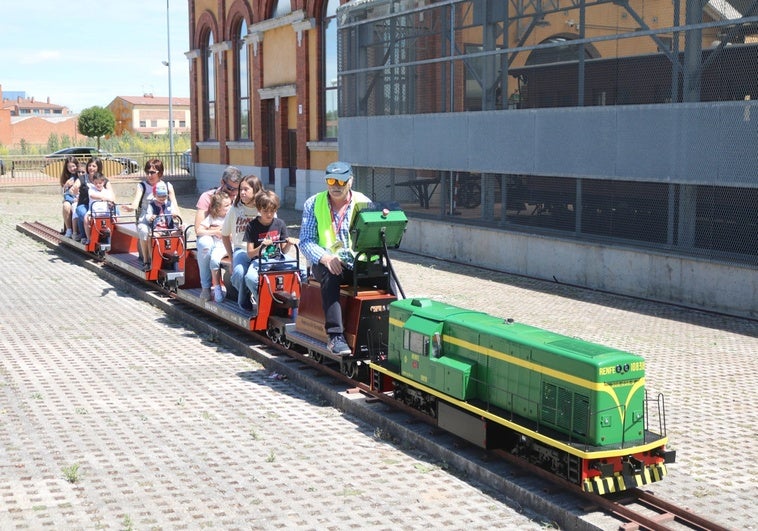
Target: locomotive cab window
423	336
416	342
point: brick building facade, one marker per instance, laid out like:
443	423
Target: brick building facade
257	88
32	121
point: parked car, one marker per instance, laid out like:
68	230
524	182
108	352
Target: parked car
85	152
187	160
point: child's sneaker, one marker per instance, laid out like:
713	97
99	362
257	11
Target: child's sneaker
218	294
76	237
84	241
67	234
205	294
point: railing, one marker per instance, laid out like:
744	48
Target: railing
38	169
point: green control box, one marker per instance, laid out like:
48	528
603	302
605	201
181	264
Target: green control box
369	225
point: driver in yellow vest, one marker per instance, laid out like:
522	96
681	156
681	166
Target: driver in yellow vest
325	243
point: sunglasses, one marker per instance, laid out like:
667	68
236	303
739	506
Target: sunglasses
331	181
152	172
229	188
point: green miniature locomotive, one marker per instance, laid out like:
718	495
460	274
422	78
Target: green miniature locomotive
575	406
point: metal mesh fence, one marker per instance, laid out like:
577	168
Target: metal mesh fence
458	56
723	224
404	57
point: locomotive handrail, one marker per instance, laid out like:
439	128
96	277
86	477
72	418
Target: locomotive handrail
660	402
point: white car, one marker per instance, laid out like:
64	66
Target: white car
82	153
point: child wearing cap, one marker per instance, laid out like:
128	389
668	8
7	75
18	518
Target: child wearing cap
143	195
158	215
159	210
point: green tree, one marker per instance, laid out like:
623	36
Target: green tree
53	143
96	122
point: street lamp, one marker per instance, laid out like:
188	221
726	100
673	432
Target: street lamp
170	105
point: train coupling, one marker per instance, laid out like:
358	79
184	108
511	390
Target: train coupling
631	465
669	456
171	277
606	469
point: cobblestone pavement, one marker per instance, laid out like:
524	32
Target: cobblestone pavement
221	444
114	415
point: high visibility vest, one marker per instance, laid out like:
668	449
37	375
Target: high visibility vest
327	238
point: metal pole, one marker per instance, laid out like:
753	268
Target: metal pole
170	102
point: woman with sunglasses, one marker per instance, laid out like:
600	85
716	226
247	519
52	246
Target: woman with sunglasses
325	243
230	183
143	195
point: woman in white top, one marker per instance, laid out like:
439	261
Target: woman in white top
237	219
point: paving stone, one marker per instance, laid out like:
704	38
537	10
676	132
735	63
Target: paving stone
170	430
174	431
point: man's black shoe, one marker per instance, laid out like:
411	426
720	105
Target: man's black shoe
338	346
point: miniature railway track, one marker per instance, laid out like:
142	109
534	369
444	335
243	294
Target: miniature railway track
643	510
634	508
41	231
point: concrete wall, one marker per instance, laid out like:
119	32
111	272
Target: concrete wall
691	282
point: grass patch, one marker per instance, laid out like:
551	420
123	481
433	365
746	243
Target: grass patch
72	474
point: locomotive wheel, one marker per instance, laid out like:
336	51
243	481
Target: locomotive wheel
349	369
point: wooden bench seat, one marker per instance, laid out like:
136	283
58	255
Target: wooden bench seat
226	262
126	228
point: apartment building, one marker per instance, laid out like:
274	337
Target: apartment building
149	115
32	121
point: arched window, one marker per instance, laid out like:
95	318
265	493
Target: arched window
244	119
281	8
209	90
330	80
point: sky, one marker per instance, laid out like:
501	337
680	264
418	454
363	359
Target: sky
87	52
